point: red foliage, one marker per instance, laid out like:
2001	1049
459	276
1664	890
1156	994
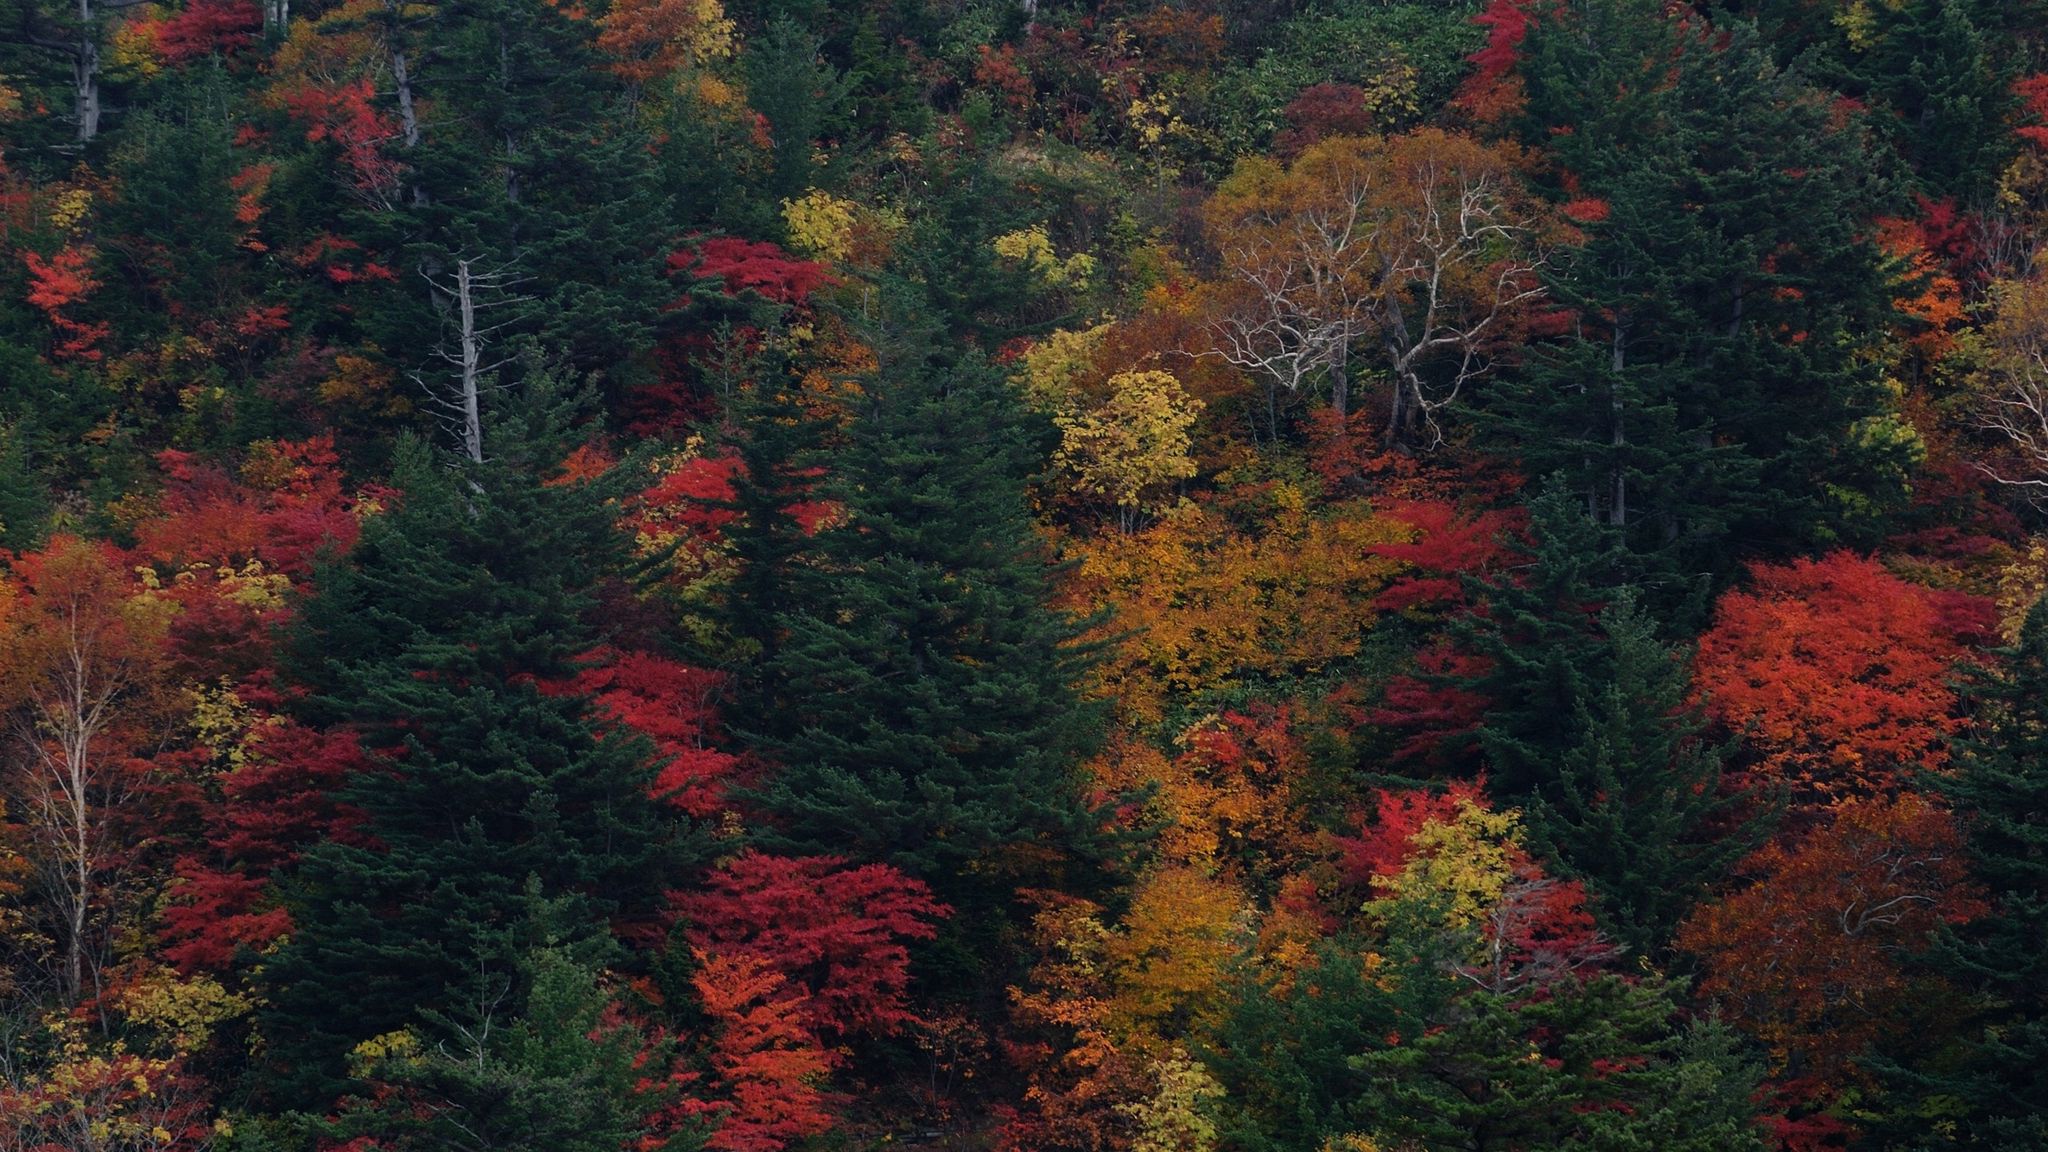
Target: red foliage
1838	671
1321	111
57	283
751	266
287	506
1382	845
279	802
1810	957
1492	90
205	27
1448	545
2033	94
346	115
673	705
839	933
1435	717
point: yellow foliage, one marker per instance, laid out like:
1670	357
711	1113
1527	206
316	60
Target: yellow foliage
1033	249
821	224
1175	1118
1169	960
130	47
69	208
1130	449
182	1013
400	1047
2020	585
1052	368
1463	864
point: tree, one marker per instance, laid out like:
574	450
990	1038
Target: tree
922	699
1999	788
1718	379
81	651
1131	448
433	644
556	1067
1597	1064
2012	399
1837	673
1639	807
838	933
1810	958
1421	245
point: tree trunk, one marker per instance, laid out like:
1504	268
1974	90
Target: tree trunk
472	355
1340	387
1617	512
85	81
276	18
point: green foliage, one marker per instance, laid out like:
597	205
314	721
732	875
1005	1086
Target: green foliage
922	698
437	643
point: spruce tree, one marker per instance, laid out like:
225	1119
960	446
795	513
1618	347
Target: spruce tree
1537	631
443	642
920	704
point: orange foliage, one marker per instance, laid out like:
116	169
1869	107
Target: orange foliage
1809	958
1838	671
1203	605
770	1067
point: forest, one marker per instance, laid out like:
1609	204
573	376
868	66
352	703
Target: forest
1023	575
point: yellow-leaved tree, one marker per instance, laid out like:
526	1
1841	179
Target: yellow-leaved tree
1129	451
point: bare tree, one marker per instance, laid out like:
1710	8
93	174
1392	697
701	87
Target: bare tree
1421	245
2012	398
474	298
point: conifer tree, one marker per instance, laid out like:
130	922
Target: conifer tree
1637	807
1721	391
922	699
1999	788
1537	633
444	642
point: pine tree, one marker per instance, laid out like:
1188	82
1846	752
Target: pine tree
444	641
1638	808
923	692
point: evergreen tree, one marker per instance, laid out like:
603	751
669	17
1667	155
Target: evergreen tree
541	1064
1594	1066
1722	392
1999	788
1637	808
1537	631
439	642
922	701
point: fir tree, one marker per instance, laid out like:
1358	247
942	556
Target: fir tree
922	696
438	641
1721	392
1999	788
1537	632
